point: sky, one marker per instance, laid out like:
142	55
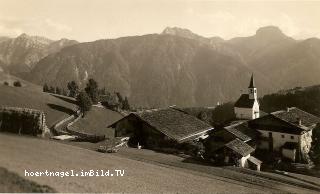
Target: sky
88	20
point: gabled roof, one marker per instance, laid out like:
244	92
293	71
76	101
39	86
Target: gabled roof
240	147
172	122
293	115
244	101
236	130
291	121
244	127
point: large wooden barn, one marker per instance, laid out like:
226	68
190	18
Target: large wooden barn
160	128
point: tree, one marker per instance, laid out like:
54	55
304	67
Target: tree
92	91
84	102
5	83
315	145
102	91
17	84
52	90
58	90
73	89
45	88
64	92
125	104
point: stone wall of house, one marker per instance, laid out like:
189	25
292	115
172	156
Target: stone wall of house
305	145
23	121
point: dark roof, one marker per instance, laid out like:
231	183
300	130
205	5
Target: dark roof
290	145
286	121
173	123
252	84
243	127
240	147
244	101
237	129
293	115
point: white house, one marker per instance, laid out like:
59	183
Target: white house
288	132
247	106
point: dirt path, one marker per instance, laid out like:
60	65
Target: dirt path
22	153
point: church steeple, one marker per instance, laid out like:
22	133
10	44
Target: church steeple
252	90
252	85
247	106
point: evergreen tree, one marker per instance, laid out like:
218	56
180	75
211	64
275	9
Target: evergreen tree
52	90
58	90
64	92
84	102
45	88
125	104
73	89
92	91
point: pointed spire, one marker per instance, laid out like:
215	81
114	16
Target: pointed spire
252	85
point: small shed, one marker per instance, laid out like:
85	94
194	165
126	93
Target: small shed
254	163
241	151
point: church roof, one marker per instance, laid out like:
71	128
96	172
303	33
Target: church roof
252	84
244	101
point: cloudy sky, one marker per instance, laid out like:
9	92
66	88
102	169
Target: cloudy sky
87	20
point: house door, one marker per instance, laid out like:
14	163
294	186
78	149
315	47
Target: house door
270	142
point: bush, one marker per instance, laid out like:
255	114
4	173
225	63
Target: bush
5	83
17	84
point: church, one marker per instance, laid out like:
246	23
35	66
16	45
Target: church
247	106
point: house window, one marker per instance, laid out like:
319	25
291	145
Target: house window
292	137
282	136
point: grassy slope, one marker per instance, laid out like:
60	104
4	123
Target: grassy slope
31	96
96	122
38	155
12	182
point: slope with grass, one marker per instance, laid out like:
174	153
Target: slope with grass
31	96
96	121
33	154
12	182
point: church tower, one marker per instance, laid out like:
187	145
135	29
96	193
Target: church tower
247	106
252	90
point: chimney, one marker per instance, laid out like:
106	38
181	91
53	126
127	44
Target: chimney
299	121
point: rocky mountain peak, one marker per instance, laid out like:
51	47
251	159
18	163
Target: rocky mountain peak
270	32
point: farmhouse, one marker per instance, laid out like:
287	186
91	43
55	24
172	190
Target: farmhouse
160	128
287	131
247	106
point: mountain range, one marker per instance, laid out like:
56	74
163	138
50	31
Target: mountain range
176	66
19	55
